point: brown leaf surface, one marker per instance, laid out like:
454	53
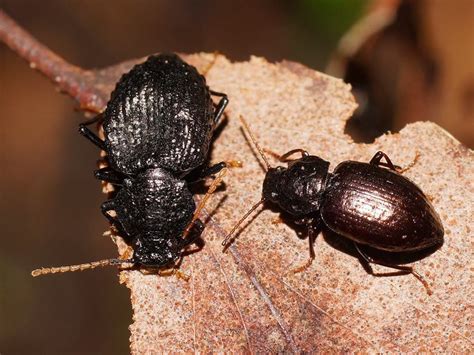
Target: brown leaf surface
245	300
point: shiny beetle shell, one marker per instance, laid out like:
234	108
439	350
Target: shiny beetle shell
159	115
379	207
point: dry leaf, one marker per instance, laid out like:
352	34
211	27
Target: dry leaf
245	300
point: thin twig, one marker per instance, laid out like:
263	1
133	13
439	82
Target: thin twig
73	80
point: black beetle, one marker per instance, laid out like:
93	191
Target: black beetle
158	127
369	203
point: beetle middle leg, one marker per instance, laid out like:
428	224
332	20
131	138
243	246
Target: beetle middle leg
403	269
214	169
313	232
109	175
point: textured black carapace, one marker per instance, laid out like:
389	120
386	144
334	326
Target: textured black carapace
158	127
159	115
369	203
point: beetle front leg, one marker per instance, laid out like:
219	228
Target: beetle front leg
403	269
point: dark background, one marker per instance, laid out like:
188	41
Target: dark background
49	198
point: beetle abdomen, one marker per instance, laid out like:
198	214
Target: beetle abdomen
160	114
376	206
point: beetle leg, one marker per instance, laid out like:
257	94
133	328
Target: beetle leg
377	160
194	233
220	107
109	175
174	271
284	158
313	232
107	206
403	269
214	169
91	136
412	164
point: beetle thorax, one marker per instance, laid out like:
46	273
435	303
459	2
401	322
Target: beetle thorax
298	188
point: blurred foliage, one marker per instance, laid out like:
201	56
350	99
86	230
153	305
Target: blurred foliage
330	19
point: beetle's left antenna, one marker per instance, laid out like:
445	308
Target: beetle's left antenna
254	141
230	236
79	267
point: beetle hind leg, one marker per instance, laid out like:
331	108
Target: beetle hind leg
377	161
402	269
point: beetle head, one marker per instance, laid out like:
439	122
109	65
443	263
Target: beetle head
271	183
156	253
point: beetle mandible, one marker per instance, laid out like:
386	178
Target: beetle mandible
369	203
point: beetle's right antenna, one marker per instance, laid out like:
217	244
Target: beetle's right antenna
79	267
229	237
254	141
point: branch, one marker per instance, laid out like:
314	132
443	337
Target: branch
70	79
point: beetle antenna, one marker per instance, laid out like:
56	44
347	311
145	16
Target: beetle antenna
80	267
204	200
229	237
254	141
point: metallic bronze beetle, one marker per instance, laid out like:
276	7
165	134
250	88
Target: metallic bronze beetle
369	203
